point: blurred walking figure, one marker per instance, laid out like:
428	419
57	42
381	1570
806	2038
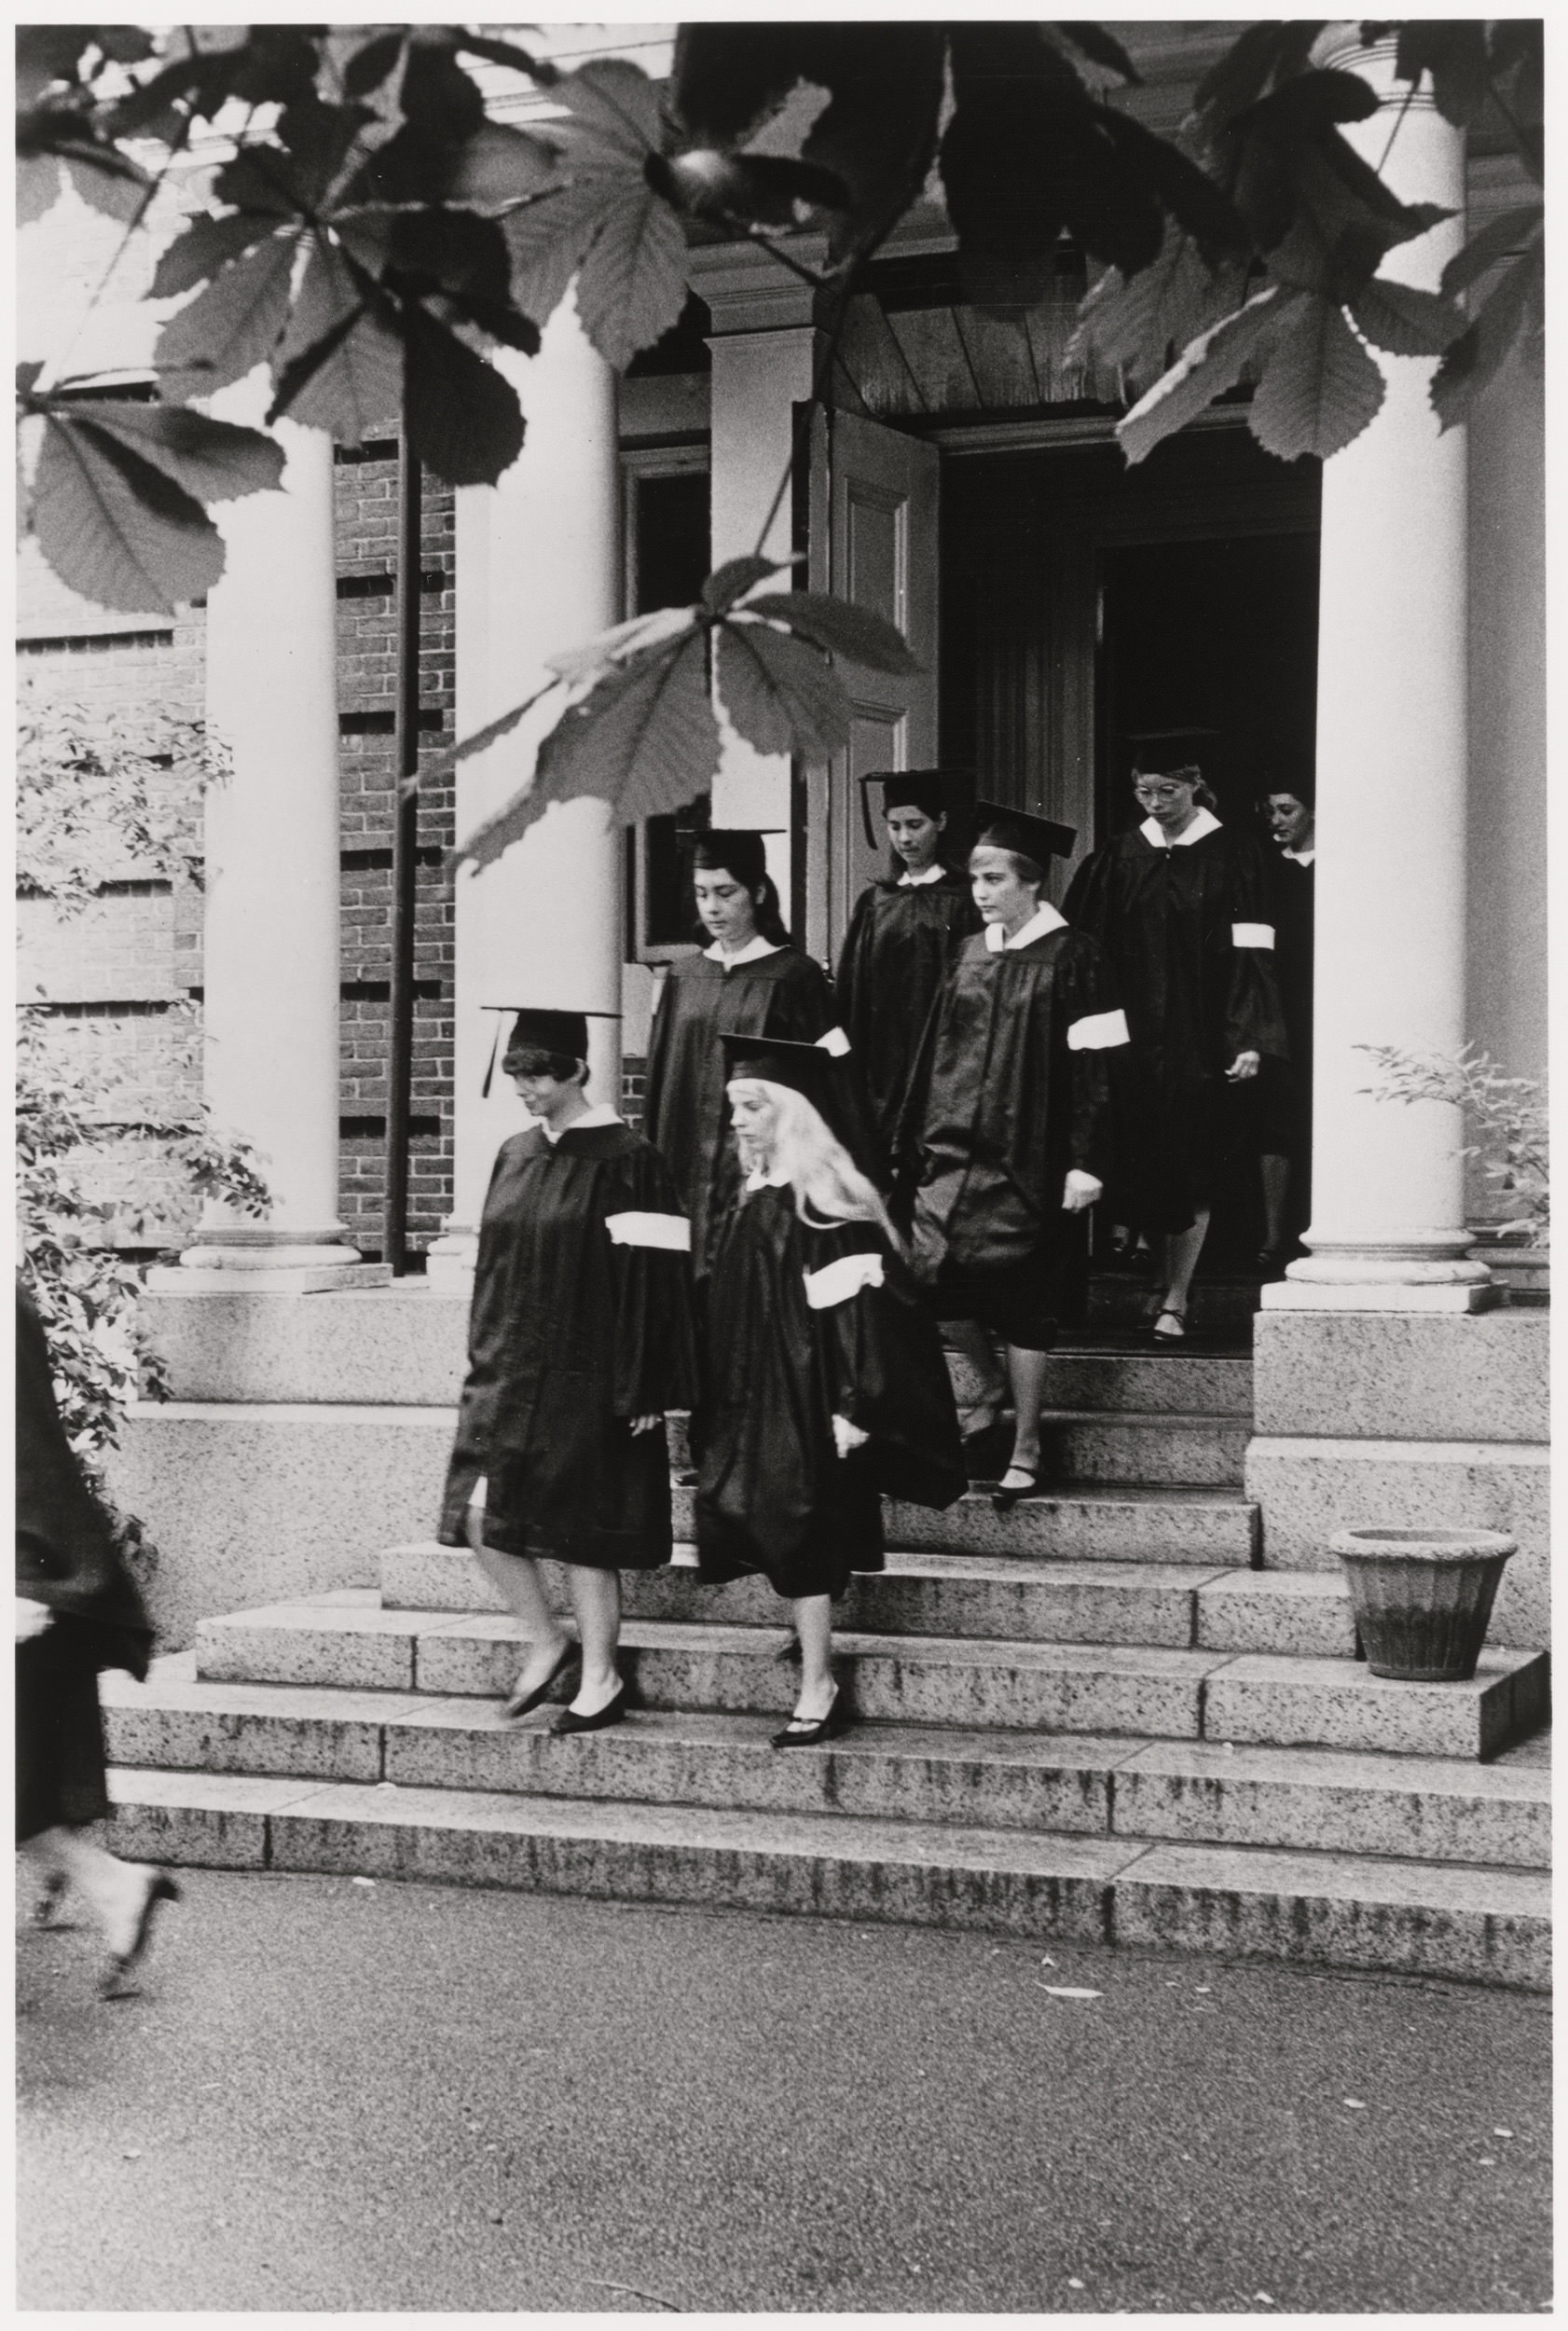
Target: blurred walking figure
1286	1086
906	931
1181	906
78	1611
1006	1128
579	1339
826	1386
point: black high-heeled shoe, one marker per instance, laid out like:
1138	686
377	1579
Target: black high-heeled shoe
520	1702
799	1734
1004	1499
601	1721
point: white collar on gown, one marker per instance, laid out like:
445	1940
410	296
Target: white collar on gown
752	952
908	881
597	1113
1041	923
1204	821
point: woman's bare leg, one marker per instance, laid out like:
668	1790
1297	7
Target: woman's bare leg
595	1598
972	1343
1182	1250
1027	1374
517	1582
814	1624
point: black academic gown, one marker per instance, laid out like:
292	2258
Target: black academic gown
66	1558
686	1111
581	1320
1011	1092
1169	920
805	1325
900	940
1288	1116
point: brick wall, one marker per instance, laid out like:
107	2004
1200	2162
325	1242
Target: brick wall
366	494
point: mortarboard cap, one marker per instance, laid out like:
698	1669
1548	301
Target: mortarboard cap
1039	839
565	1033
738	849
780	1060
934	790
1171	751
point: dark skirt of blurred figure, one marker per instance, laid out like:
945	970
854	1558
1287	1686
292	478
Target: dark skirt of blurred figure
826	1386
579	1339
79	1612
904	932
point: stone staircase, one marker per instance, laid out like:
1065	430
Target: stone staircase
1092	1718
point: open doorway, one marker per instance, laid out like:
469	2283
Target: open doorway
1084	602
1218	635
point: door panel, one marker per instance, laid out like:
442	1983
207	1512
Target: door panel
872	539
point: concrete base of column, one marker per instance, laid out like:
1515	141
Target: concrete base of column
449	1264
268	1261
1421	1270
1296	1295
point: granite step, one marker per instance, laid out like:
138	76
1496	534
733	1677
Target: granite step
1305	1613
1087	1445
1129	1523
1262	1699
1321	1909
1193	1792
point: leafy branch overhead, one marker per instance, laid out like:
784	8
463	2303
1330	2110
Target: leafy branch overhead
377	237
643	734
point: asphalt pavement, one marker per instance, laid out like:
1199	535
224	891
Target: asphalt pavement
334	2096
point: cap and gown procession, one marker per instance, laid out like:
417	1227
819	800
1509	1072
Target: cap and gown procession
905	930
1186	925
809	1320
818	1383
765	987
580	1324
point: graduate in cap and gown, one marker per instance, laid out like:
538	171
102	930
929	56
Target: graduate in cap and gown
1007	1127
1181	905
748	978
826	1386
906	931
579	1339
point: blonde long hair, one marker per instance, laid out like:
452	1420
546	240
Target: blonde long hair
827	1184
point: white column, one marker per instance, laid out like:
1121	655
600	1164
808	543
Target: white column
538	569
1388	1230
270	945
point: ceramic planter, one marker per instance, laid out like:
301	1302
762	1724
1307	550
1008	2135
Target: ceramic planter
1422	1598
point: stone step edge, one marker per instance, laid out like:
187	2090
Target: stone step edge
336	1616
1090	1882
1394	1775
932	1563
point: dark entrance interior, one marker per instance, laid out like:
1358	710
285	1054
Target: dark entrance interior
1217	635
1084	602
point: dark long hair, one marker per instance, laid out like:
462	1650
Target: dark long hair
739	853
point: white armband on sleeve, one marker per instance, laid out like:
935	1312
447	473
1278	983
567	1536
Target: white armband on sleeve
835	1041
1097	1032
672	1232
836	1282
1252	935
